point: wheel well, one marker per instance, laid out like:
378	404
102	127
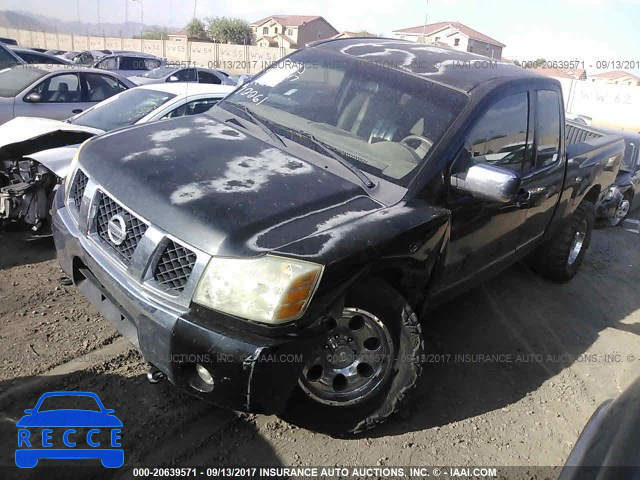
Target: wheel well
593	194
404	282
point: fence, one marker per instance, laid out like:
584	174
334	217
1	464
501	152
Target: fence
616	106
232	58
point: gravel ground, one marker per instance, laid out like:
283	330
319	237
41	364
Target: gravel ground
514	371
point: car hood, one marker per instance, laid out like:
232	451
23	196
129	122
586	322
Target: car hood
144	80
51	142
218	188
69	418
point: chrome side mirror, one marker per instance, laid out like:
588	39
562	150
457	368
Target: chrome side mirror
488	182
33	98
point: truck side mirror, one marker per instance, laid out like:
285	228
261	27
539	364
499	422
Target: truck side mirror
488	182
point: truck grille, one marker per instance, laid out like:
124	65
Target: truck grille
135	228
78	188
175	266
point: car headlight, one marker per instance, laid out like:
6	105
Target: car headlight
268	289
611	193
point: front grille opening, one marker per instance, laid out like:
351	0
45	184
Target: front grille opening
78	188
175	266
135	228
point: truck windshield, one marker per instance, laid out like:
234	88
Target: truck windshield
382	120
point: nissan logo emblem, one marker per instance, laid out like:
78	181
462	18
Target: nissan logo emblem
117	229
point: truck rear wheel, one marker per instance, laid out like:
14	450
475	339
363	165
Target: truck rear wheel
366	366
559	259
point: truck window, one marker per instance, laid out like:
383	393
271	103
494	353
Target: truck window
547	128
499	136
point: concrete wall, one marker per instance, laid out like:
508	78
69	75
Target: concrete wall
232	58
616	106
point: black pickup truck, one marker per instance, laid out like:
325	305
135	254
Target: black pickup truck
272	253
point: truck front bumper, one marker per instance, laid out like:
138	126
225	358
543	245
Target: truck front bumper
247	372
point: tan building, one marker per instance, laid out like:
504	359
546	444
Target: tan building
617	77
353	35
290	31
455	35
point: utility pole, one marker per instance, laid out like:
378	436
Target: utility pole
426	18
126	13
99	23
78	8
195	7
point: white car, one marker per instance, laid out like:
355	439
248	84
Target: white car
36	152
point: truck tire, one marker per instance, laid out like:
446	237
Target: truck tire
368	364
559	258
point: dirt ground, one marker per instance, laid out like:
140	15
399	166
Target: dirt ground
516	368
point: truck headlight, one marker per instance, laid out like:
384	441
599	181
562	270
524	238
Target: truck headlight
268	289
611	193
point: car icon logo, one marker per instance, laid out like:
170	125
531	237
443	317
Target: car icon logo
87	430
117	229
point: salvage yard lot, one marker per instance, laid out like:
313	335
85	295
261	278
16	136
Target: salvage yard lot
513	371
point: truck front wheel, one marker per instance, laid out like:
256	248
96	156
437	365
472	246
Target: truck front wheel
559	259
364	368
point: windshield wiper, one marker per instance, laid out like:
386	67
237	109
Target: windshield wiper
261	123
337	157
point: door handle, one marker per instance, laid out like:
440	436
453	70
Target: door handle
77	110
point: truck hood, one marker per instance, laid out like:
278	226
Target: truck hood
51	142
218	188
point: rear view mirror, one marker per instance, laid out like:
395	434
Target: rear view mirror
488	182
33	98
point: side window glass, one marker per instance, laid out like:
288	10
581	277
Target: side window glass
186	75
178	112
100	87
63	88
108	64
499	137
206	77
547	128
200	106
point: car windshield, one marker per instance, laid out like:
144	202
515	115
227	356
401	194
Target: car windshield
159	72
69	402
379	119
630	154
15	80
123	109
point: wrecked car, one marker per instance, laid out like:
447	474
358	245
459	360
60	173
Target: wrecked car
271	254
622	196
35	153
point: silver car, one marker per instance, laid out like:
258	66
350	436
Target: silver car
170	74
129	64
55	91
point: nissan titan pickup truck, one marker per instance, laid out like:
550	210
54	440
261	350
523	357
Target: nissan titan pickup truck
271	255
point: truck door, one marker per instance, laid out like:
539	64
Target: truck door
543	176
486	232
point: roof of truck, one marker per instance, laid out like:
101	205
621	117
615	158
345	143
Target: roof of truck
457	69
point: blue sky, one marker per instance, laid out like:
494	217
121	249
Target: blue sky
586	30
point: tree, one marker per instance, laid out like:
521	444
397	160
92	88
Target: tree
155	33
196	29
229	30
